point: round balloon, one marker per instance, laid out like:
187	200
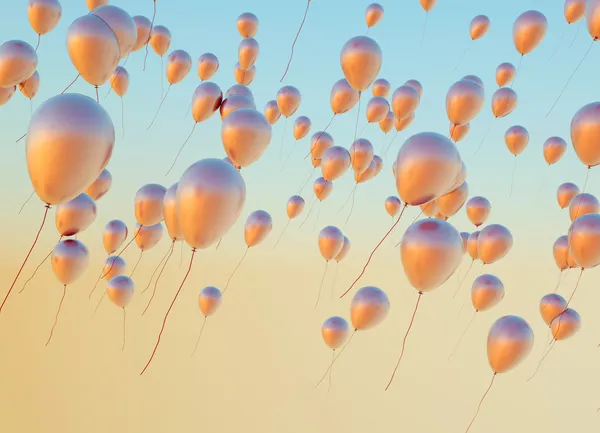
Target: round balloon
486	292
369	307
509	341
209	300
18	62
493	243
148	204
361	59
331	241
335	332
69	260
258	226
120	290
75	215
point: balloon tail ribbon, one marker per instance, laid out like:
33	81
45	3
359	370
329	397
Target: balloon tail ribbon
98	304
57	314
295	40
306	181
97	281
337	265
38	42
26	257
542	360
157	111
373	253
235	269
512	181
331	365
70	84
317	218
310	209
412	319
199	337
461	58
158	266
570	78
462	280
321	285
281	235
462	335
158	278
124	328
348	199
136	264
424	28
26	201
352	204
38	267
150	34
480	403
357	116
574	37
312	147
168	311
21	138
288	156
283	138
558	45
335	359
180	149
484	137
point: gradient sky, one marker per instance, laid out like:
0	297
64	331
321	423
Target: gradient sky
262	353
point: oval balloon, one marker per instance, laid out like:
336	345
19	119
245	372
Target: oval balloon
472	245
245	133
342	97
361	155
170	213
416	85
322	188
583	204
449	204
120	290
486	292
30	87
560	250
301	127
504	101
114	235
584	240
119	81
565	194
121	24
405	101
143	27
69	260
179	65
392	206
334	332
288	100
331	241
493	243
148	204
272	112
247	25
113	266
505	73
334	163
478	210
258	226
100	186
206	100
377	108
294	206
464	101
370	305
516	139
344	251
209	300
566	324
160	41
387	123
248	52
551	306
381	87
509	341
574	10
554	148
458	132
319	143
585	127
402	124
528	31
234	103
244	76
43	15
18	62
361	60
148	237
208	65
374	14
478	27
75	215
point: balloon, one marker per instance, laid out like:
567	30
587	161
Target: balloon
361	155
206	100
143	26
209	300
208	65
374	14
120	290
114	235
493	243
234	103
69	260
361	60
369	307
69	142
464	101
402	124
258	226
427	166
343	97
377	108
585	128
392	206
592	17
584	240
461	178
247	25
334	163
478	210
504	101
381	87
528	31
148	236
430	209
458	132
238	89
387	123
248	52
565	194
244	76
378	164
160	41
560	250
43	15
344	251
75	215
583	204
431	251
427	5
451	203
551	306
30	87
93	49
119	81
294	207
486	292
465	240
301	127
505	73
331	241
288	100
18	62
170	213
113	266
210	198
6	93
245	133
574	10
516	139
319	143
472	245
148	204
509	341
179	65
92	4
566	324
554	149
415	85
479	27
334	332
473	78
366	175
100	186
122	25
405	101
272	112
322	188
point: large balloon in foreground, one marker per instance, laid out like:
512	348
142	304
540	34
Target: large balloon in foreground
69	142
43	15
210	198
120	290
335	332
258	226
75	215
121	24
585	129
509	341
69	260
245	133
528	31
361	60
464	101
493	243
584	240
551	306
369	307
18	62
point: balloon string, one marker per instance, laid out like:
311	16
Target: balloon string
330	367
39	266
357	117
98	304
560	278
512	182
336	358
352	205
188	110
199	336
97	96
570	78
162	77
21	138
413	221
542	360
150	34
306	181
462	335
26	257
461	58
317	218
168	311
480	403
112	82
373	252
97	281
26	201
235	269
549	335
295	40
218	243
70	84
283	138
515	79
158	266
389	145
288	156
575	289
484	137
159	106
38	42
124	323
281	235
347	200
310	209
126	60
574	37
112	264
412	319
557	45
424	28
57	313
181	252
180	149
321	285
462	280
337	265
137	263
158	278
313	146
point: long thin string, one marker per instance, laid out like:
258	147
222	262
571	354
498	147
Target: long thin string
171	246
283	138
413	221
26	201
575	289
158	111
295	40
39	266
321	285
480	403
97	281
235	269
124	323
158	278
389	145
352	205
347	200
317	218
281	235
514	80
123	116
38	42
288	156
373	252
306	181
574	37
150	34
557	45
313	146
462	335
542	360
484	137
97	96
357	117
180	149
168	311
199	336
462	280
424	28
136	264
412	319
330	370
337	265
162	76
70	84
336	358
310	209
512	182
37	236
57	313
462	58
112	264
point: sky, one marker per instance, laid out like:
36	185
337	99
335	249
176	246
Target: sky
262	353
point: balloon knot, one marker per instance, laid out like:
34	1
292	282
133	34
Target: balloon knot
47	206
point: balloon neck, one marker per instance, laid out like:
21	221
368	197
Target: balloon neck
47	206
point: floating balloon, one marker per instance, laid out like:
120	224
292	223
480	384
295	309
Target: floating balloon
402	124
405	101
144	27
69	260
493	243
528	31
583	204
551	306
369	307
113	266
334	163
244	76
179	65
319	143
584	240
472	245
574	10
504	101
565	194
510	340
160	41
474	78
75	215
248	53
120	290
464	101
585	127
392	206
335	332
119	81
209	300
377	108
121	24
322	188
235	102
387	123
245	133
258	226
554	148
516	139
100	186
361	155
114	235
416	85
560	250
247	25
18	62
170	213
294	207
458	132
208	65
344	251
566	324
361	60
288	100
449	204
272	112
505	73
478	210
465	240
301	128
478	27
381	87
427	5
331	241
30	87
486	292
343	97
374	14
148	236
148	204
